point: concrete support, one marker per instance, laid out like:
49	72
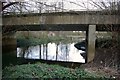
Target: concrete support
0	40
9	52
90	40
118	56
9	44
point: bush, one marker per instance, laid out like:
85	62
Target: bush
40	70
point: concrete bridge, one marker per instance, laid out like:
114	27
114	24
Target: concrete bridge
88	21
63	20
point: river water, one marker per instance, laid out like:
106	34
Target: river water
52	51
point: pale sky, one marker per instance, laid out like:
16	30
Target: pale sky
69	5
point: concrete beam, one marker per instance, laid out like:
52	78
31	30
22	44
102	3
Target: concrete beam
57	27
63	18
90	38
118	56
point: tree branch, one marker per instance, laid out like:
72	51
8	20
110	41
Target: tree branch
9	4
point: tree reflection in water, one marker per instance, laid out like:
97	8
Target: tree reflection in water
52	51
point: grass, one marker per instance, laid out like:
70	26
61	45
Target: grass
31	41
23	42
37	41
42	71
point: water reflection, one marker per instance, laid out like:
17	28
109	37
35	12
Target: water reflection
52	51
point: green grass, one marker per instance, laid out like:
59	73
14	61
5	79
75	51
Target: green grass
21	42
36	41
42	70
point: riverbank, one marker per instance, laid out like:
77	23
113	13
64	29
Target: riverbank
22	42
42	71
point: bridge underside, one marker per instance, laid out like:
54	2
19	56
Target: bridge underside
60	27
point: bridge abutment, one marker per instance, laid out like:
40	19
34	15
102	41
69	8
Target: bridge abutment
9	44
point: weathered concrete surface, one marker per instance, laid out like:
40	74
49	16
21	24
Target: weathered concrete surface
118	56
9	41
57	27
90	35
82	17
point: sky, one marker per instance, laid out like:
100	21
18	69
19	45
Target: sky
63	0
70	5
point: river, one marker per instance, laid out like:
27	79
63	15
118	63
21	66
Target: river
52	51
